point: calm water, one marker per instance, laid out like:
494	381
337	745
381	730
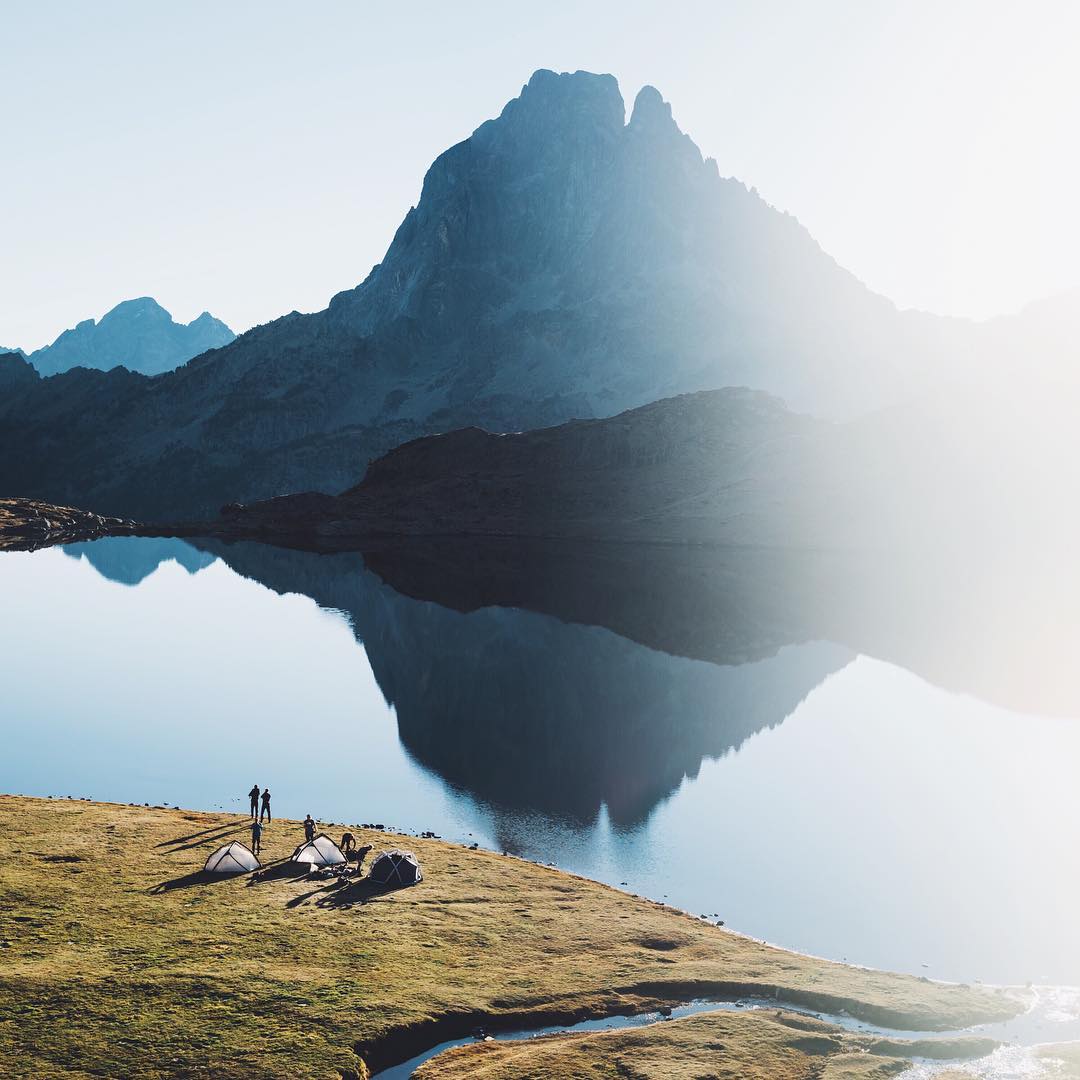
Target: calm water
810	794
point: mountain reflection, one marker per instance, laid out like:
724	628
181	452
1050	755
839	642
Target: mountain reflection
998	624
129	560
531	712
558	679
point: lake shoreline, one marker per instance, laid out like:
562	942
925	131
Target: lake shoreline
607	953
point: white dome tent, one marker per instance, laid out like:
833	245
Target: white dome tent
232	858
321	851
395	868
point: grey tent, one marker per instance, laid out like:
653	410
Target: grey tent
233	858
395	868
321	851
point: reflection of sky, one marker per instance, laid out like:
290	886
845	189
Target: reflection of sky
188	689
885	821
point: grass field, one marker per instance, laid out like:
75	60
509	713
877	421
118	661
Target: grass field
720	1045
118	959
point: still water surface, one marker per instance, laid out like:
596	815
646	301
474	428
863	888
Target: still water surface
813	796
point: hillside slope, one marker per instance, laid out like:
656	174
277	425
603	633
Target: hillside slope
119	958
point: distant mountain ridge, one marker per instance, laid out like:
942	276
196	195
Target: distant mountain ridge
139	335
719	466
561	262
724	467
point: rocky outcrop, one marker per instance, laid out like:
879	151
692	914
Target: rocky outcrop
26	524
139	335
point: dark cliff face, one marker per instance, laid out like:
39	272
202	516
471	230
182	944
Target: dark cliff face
139	335
561	262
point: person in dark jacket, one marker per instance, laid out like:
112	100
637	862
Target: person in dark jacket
309	828
253	795
265	806
256	837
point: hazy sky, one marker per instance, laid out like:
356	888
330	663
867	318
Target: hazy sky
252	158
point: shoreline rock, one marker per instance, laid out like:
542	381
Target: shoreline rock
28	524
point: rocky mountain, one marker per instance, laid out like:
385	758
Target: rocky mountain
139	335
561	262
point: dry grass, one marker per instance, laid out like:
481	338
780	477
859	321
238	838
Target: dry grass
720	1046
126	963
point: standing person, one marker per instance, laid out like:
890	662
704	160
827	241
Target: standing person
256	837
309	828
266	806
253	795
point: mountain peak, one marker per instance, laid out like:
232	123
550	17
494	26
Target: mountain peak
208	323
139	306
138	334
557	99
651	110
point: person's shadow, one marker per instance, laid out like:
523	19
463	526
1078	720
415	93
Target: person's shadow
196	840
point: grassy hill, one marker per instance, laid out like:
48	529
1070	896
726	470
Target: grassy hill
117	958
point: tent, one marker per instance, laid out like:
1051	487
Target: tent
233	858
395	868
322	851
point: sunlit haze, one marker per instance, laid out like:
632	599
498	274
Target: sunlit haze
254	159
523	522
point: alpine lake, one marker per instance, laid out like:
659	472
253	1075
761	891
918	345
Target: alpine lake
837	770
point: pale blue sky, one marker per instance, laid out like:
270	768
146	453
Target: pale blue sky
251	158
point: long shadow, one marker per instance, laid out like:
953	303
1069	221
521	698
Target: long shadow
192	836
296	901
283	869
345	894
226	831
199	877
